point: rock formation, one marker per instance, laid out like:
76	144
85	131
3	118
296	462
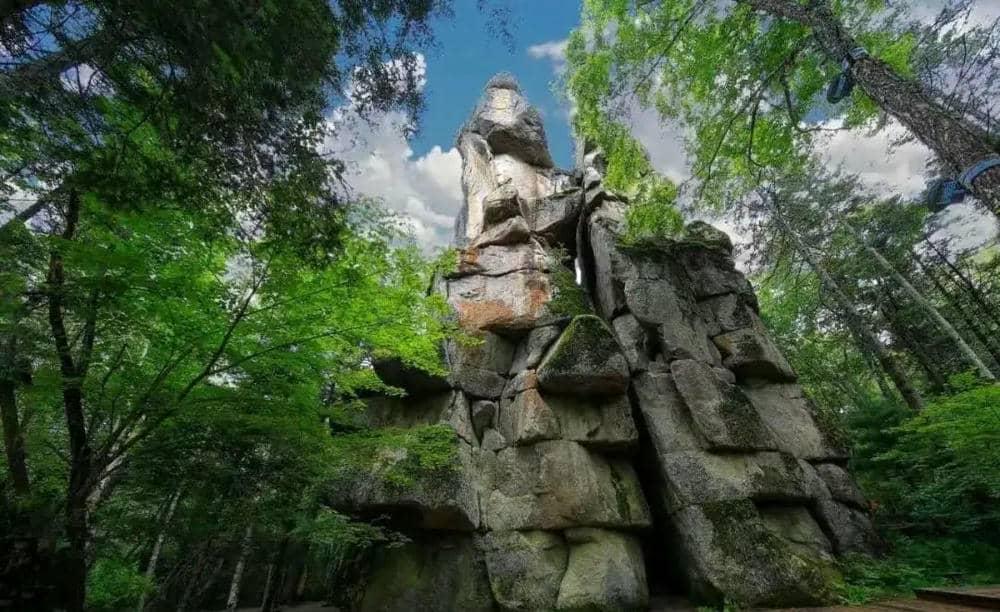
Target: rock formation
638	431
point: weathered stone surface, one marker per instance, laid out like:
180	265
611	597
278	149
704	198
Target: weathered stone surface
841	486
415	381
446	500
524	380
710	270
605	227
729	554
501	204
509	124
728	312
525	568
554	217
484	416
797	527
603	423
493	440
478	382
586	359
530	351
483	350
751	354
527	419
514	302
438	573
654	295
478	365
559	484
448	408
634	340
478	180
605	572
511	231
701	232
532	182
498	260
720	411
785	411
664	413
694	477
850	529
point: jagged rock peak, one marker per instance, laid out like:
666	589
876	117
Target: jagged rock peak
509	124
503	80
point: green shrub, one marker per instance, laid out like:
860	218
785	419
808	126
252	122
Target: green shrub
941	476
918	562
115	584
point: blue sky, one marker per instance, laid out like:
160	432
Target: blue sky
420	178
468	54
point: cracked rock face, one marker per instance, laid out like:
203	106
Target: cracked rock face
654	409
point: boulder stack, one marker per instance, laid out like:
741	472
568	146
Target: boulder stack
637	430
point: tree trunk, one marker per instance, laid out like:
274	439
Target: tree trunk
268	585
970	288
72	373
958	142
237	582
154	556
970	355
275	578
13	437
859	328
971	322
894	316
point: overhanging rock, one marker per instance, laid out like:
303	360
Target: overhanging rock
647	414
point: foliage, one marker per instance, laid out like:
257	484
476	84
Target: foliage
399	456
943	472
116	584
918	563
748	86
569	298
629	169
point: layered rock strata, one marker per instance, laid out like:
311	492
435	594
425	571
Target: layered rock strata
643	415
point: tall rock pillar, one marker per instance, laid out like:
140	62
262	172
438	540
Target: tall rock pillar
638	428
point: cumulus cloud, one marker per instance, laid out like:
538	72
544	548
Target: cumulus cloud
553	51
881	165
425	190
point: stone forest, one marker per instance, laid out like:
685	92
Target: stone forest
499	306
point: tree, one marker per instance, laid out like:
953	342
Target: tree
178	237
747	79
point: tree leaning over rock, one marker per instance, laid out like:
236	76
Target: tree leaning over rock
748	80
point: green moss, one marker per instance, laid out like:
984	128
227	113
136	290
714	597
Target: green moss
742	423
751	549
588	335
621	495
568	299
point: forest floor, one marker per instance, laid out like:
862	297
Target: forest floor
678	604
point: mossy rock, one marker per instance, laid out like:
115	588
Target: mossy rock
586	359
731	556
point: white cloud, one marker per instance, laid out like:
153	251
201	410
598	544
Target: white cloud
426	190
881	166
554	51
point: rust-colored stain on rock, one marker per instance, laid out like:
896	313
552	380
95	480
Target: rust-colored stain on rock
483	315
539	292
